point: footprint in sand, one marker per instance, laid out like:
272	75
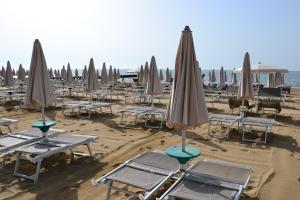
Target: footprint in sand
123	135
162	142
214	150
245	150
130	135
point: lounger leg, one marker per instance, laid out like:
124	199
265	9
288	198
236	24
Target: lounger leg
122	118
37	172
9	129
208	134
108	190
18	155
3	162
89	149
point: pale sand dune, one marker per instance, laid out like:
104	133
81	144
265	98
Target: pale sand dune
275	167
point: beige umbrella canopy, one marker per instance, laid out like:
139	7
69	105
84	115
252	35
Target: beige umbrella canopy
245	89
50	73
153	86
115	75
69	74
21	73
187	106
233	77
3	73
141	74
97	73
209	76
222	78
168	78
225	76
39	94
84	73
13	72
161	75
104	74
146	73
213	76
9	80
118	73
58	74
64	73
92	82
76	73
110	74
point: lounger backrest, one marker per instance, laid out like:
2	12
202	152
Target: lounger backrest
269	92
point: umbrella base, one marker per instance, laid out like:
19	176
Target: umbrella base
43	125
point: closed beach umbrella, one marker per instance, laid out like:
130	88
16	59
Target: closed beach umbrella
92	82
104	74
58	74
233	77
110	73
50	73
13	72
9	80
146	72
118	73
209	76
271	80
39	94
245	91
168	78
84	73
63	73
3	73
278	79
76	73
222	78
225	76
21	73
161	76
153	86
141	74
115	75
69	74
97	73
187	106
213	76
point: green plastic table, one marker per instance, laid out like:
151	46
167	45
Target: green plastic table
183	156
43	126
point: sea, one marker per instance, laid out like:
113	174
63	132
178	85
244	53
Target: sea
291	78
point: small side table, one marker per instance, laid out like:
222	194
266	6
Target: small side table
43	126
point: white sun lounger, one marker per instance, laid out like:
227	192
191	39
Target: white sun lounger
7	122
149	172
37	152
9	142
227	121
134	111
210	179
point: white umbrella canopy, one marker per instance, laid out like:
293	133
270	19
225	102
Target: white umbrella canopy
84	73
39	94
76	73
104	74
222	78
141	74
9	80
187	106
146	73
153	86
92	82
161	75
69	74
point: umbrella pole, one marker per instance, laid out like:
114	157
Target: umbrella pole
45	135
242	112
90	97
183	140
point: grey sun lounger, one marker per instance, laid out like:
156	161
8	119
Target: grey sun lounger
210	179
149	172
10	142
7	122
227	121
37	152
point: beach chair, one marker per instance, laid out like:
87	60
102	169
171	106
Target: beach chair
37	152
237	103
10	142
227	121
255	123
7	122
269	99
93	106
210	179
134	111
149	172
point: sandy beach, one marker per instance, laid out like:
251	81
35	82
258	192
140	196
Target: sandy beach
275	166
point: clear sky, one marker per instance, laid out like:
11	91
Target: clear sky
126	33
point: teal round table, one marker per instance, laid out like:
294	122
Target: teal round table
183	156
43	126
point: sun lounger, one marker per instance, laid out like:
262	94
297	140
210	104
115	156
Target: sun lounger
149	172
9	142
210	179
265	124
7	122
37	152
150	115
134	111
227	121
